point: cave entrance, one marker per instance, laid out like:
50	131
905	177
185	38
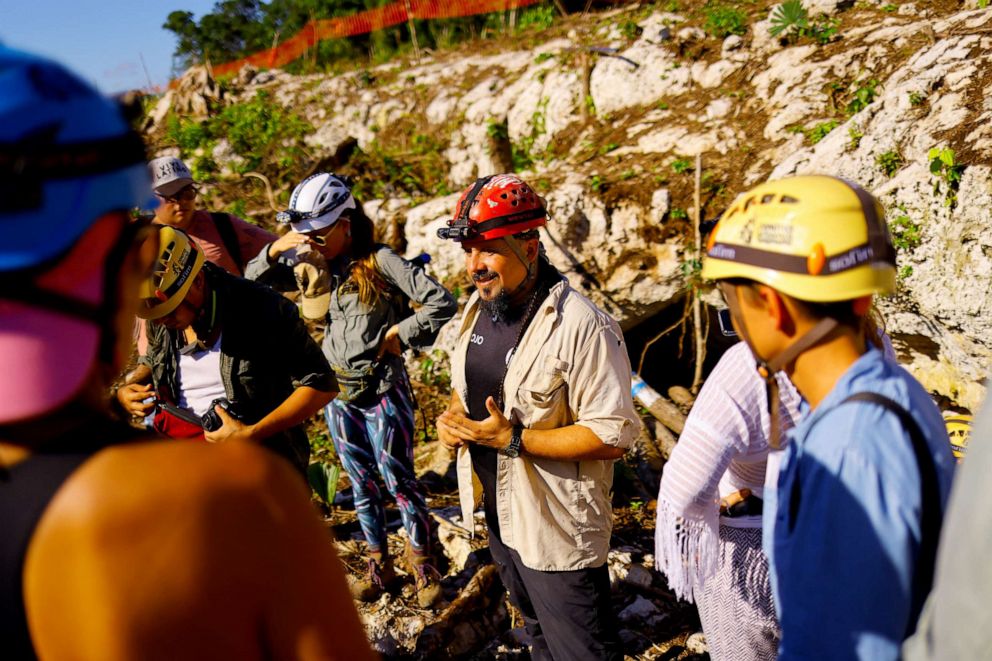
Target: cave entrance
665	365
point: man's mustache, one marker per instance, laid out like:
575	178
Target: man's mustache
483	275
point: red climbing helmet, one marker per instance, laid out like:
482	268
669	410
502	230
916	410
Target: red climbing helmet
493	207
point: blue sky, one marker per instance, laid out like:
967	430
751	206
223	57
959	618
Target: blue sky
102	41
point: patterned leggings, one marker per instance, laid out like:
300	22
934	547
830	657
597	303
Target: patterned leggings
380	438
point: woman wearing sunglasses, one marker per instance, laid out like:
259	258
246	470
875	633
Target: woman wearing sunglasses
369	323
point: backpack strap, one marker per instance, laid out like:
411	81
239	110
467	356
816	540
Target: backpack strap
225	227
931	516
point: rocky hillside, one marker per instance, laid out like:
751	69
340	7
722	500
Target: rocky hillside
605	113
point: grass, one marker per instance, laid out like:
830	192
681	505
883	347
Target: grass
722	20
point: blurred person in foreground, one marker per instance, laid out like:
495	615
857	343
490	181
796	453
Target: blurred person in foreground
113	549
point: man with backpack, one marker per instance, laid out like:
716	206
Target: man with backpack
851	530
226	240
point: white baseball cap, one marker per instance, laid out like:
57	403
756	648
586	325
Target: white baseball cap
169	175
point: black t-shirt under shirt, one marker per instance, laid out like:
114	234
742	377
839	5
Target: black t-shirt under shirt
489	352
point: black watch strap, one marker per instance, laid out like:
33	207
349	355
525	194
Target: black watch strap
516	442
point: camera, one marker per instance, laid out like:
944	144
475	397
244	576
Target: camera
211	420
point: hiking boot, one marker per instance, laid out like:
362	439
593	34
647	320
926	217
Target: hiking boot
426	578
379	579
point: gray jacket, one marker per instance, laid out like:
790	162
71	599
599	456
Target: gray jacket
355	330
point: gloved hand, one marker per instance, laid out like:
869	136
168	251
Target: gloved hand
314	282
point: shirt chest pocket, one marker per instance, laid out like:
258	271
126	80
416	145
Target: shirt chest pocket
543	395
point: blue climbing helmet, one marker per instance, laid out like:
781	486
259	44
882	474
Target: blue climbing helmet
70	170
67	157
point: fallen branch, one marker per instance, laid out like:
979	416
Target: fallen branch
268	188
449	525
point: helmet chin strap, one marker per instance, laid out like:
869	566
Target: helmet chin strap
768	368
522	256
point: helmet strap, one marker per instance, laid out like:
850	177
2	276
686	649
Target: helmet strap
768	368
522	256
22	288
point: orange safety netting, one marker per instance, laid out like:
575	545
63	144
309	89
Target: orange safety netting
362	23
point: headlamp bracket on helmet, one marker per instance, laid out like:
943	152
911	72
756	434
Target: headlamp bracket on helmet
295	216
457	233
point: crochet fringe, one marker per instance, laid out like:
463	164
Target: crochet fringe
686	549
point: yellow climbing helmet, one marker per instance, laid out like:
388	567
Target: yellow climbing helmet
815	238
179	260
958	430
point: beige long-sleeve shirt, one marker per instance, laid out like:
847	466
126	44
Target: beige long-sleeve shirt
570	367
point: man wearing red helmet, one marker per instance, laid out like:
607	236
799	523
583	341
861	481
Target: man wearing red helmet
540	409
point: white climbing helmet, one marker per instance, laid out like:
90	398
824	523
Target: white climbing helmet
317	203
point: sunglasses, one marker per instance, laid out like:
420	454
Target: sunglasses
185	195
321	239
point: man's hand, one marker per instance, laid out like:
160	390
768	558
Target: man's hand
231	430
132	398
494	432
285	243
446	434
391	343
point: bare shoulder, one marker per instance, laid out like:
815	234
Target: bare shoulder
188	477
144	539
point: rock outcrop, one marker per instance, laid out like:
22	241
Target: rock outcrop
603	117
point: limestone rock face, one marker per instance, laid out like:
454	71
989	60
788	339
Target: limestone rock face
946	284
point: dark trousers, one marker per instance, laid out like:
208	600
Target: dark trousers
568	614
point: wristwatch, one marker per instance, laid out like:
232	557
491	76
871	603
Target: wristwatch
512	450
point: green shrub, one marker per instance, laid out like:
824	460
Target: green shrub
906	235
596	183
186	134
889	162
630	30
864	94
947	172
855	134
820	131
722	20
788	19
540	17
791	21
262	132
681	165
497	130
917	98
